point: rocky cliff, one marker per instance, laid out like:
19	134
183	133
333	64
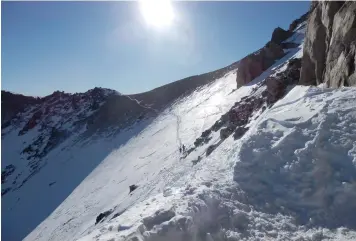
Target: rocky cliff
253	65
330	45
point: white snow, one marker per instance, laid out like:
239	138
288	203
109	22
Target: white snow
294	179
150	160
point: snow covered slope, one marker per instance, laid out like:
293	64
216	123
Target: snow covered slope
291	177
150	160
283	170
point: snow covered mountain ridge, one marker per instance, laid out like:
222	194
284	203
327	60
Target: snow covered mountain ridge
39	132
48	121
197	159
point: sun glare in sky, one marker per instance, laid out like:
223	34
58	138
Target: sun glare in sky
157	13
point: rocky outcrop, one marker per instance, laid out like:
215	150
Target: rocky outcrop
103	215
235	121
11	104
254	64
279	35
330	42
340	61
277	83
7	171
298	21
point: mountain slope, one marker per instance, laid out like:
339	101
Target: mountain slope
273	195
258	186
196	159
50	144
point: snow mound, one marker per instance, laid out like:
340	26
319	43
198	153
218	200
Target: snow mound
301	159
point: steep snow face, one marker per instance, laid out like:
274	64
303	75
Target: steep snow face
151	160
291	177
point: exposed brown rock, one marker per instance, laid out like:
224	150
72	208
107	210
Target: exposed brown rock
340	61
254	64
329	49
277	84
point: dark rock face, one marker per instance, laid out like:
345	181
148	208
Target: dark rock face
210	149
226	132
277	84
4	191
289	45
279	35
103	215
254	64
329	49
298	21
340	61
7	171
239	132
31	122
11	104
132	188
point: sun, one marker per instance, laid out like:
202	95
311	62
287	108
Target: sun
157	13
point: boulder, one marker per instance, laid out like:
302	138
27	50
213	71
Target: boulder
103	215
279	35
133	187
226	132
210	149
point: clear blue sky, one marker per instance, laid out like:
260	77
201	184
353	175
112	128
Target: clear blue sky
76	46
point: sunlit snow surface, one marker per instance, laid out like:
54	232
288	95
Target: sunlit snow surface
294	179
291	176
150	160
